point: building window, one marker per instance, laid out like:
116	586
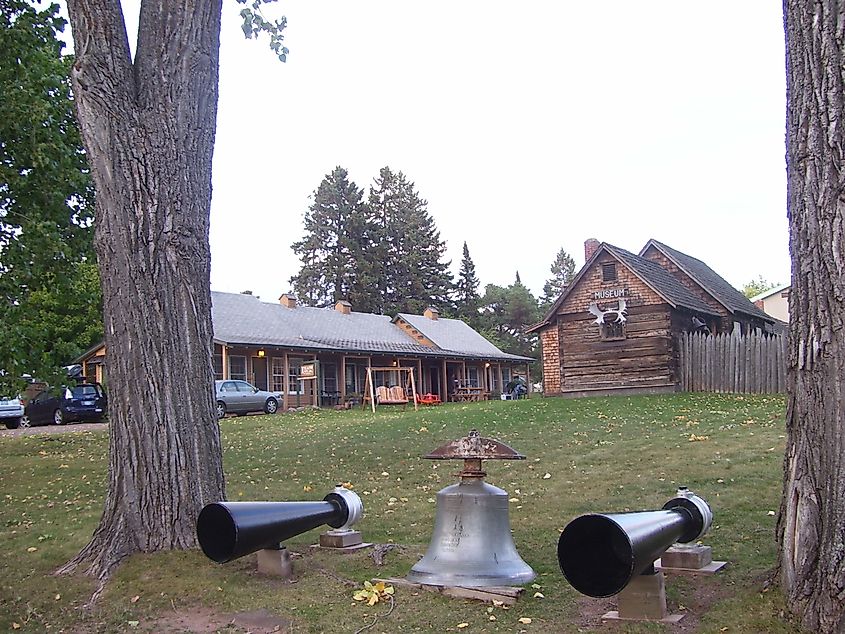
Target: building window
613	331
506	376
237	368
218	367
329	372
294	384
278	374
608	272
472	376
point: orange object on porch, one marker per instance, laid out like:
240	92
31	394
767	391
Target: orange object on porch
429	399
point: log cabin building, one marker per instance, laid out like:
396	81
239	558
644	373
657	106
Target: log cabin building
268	344
613	329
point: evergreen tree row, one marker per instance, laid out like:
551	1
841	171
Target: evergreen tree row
385	255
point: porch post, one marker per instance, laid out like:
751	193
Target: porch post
528	378
286	384
225	360
445	395
342	379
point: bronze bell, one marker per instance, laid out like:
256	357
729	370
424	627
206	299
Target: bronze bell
471	544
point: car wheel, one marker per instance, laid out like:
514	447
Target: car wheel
221	409
58	417
24	421
13	423
271	406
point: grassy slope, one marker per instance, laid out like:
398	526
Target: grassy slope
608	454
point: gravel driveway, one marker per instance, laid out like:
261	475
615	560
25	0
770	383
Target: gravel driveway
54	429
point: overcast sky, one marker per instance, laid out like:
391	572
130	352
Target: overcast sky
528	126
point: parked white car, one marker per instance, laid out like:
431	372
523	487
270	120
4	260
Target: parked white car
11	411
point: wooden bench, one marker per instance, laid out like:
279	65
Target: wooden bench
391	395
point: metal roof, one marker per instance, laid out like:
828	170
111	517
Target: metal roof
245	319
456	335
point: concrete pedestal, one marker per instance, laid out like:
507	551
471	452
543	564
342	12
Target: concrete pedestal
340	539
276	562
690	557
644	598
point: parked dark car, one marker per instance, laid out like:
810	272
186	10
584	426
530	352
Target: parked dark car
83	402
240	397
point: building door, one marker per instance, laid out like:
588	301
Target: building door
259	371
434	382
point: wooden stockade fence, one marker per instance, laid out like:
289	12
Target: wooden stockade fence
732	363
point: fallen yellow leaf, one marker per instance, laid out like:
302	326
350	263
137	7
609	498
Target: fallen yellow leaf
462	625
525	620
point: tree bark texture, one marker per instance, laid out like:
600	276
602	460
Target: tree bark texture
811	522
148	128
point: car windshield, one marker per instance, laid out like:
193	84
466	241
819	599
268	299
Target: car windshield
84	391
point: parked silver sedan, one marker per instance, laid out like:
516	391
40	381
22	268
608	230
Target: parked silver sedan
11	411
240	397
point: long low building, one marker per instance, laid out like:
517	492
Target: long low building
268	344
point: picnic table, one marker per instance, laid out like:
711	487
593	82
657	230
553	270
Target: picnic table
469	394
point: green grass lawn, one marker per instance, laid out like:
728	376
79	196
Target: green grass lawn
600	454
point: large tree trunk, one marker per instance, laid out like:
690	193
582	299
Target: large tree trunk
811	523
148	129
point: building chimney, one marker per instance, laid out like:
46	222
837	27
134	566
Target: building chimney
288	300
342	306
432	313
590	247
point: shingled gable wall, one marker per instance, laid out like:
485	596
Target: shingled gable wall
550	347
643	361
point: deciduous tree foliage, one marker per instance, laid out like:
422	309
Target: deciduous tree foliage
811	522
49	290
757	286
148	126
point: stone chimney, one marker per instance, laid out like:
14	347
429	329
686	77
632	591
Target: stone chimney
432	313
288	300
342	306
590	246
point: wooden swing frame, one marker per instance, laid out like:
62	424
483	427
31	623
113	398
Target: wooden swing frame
370	389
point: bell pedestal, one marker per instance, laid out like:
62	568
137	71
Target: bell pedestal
471	545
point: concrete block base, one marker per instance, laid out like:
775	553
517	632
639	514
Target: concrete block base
275	562
691	557
340	539
644	598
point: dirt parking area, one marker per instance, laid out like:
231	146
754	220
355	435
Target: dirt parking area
54	429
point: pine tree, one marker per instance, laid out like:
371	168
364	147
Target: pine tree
332	246
467	297
505	314
406	255
563	272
